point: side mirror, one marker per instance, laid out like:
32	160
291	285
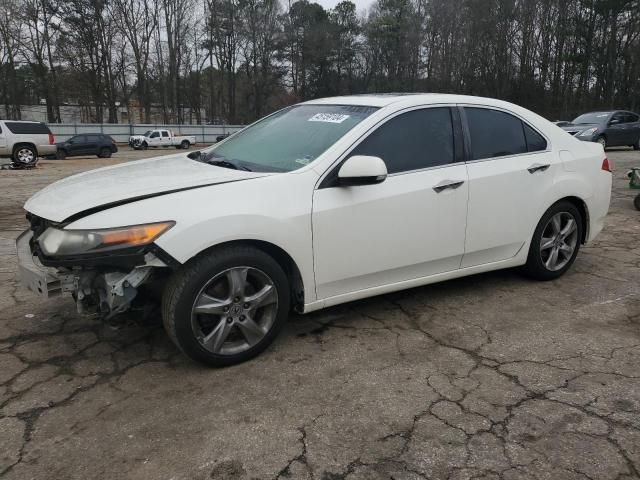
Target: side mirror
362	170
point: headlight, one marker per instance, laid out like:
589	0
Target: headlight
76	242
587	132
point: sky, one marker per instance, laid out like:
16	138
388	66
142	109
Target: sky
361	5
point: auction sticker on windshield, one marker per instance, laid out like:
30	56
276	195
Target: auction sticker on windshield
329	117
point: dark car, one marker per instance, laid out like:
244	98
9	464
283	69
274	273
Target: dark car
87	144
610	129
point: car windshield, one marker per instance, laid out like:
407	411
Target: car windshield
595	117
148	133
287	140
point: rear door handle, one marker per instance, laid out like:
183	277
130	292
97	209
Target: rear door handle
448	184
536	167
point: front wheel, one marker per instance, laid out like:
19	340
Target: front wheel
61	155
226	306
555	243
636	146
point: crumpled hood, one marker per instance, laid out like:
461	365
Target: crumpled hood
126	181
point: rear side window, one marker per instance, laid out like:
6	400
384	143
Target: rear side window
631	118
412	141
165	134
27	128
494	134
535	141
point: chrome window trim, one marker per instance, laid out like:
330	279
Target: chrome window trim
381	122
549	148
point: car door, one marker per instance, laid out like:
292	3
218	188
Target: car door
632	122
412	225
165	139
3	143
617	130
77	145
511	170
154	139
91	145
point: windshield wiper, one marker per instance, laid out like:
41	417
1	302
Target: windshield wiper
226	164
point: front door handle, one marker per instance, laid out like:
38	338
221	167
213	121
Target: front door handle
536	167
448	184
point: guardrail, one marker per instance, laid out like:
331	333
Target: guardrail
121	132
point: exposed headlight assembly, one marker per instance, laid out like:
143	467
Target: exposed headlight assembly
587	132
54	241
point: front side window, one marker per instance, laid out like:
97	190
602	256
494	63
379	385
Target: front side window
154	135
494	133
412	141
289	139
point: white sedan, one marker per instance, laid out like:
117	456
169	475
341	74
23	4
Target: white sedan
318	204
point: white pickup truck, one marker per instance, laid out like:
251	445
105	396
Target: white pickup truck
161	138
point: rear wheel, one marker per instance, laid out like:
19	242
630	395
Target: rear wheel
602	141
105	153
636	146
555	243
227	306
185	144
25	155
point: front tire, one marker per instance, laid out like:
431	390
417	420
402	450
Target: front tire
555	243
61	155
226	306
636	146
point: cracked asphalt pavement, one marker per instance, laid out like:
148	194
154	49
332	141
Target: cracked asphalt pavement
492	376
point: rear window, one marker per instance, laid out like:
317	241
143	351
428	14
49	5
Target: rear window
27	128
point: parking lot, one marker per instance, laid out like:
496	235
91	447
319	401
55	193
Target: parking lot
492	376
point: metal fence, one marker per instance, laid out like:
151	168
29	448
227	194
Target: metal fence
120	132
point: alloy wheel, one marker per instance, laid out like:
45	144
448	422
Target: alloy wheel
559	241
25	156
234	311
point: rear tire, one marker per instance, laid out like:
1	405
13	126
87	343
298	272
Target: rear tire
25	155
555	243
602	141
636	146
105	153
636	202
185	144
239	322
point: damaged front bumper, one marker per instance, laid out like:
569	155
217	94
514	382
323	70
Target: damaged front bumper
102	291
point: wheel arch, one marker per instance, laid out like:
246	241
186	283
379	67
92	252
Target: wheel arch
281	256
584	213
17	145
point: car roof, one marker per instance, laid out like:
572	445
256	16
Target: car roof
387	99
21	121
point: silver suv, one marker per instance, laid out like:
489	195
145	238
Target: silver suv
24	142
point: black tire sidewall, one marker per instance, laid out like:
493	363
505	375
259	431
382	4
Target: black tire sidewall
104	152
25	147
535	267
201	272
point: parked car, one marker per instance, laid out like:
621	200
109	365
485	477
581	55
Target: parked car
321	203
87	144
161	138
24	142
610	129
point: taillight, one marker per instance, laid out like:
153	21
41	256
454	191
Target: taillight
51	139
605	165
